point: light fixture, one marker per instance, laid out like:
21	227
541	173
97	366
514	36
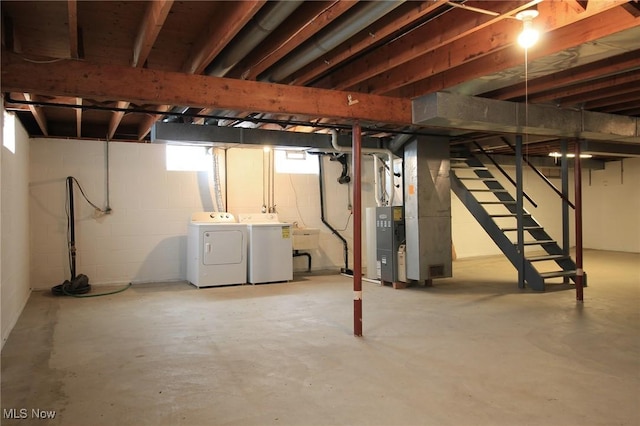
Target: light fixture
266	148
556	154
529	35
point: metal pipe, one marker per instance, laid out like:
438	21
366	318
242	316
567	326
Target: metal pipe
330	38
564	172
258	30
376	180
520	211
357	229
72	228
578	212
324	220
387	152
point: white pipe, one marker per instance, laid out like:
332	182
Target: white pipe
388	153
376	180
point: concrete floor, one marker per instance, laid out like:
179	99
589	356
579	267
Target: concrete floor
472	350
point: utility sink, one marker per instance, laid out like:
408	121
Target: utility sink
305	238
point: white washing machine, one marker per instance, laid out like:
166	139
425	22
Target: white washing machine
270	248
216	250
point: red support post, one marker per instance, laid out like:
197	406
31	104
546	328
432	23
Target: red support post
578	211
356	150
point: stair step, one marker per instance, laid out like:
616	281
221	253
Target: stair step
510	215
526	228
497	202
547	257
478	178
556	274
461	167
536	242
488	190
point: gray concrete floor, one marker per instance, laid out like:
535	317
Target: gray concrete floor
472	350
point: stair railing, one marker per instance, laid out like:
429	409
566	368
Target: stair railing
503	171
542	176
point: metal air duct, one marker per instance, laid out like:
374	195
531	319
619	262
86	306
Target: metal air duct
330	38
453	111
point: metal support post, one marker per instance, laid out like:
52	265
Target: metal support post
520	210
578	203
357	228
564	172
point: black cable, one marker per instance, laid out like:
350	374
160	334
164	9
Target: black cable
85	196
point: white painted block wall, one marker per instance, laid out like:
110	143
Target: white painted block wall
14	229
612	205
144	238
297	200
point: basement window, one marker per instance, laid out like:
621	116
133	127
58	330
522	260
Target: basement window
295	162
188	158
9	131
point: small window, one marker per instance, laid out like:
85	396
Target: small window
295	162
9	131
188	158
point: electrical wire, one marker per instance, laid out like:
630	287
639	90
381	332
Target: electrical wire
346	225
85	196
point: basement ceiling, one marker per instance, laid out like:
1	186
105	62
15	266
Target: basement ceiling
120	66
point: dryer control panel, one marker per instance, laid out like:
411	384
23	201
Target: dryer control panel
213	217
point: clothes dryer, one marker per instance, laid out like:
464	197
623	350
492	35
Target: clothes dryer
216	250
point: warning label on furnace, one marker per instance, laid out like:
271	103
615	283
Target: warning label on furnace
286	232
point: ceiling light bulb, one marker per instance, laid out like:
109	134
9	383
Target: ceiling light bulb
266	148
529	35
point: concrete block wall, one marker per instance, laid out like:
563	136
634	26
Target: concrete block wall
297	199
144	238
611	205
14	226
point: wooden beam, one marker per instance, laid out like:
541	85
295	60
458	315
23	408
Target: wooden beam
145	86
592	28
145	125
116	118
583	92
608	66
38	114
615	98
154	17
285	42
395	21
79	118
72	11
220	33
450	27
622	108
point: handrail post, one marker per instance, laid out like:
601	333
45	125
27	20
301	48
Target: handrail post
578	213
504	173
564	172
542	176
520	210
